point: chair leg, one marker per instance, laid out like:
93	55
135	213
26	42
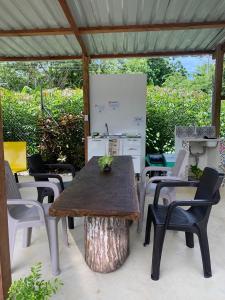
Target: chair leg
40	197
50	198
12	238
148	227
71	222
27	237
54	245
204	247
142	211
189	236
159	235
64	232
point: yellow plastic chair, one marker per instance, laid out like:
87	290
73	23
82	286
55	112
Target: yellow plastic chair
16	154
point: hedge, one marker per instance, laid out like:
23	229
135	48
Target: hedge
166	107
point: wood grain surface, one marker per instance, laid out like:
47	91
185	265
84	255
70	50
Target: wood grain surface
93	193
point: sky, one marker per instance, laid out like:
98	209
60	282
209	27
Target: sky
192	62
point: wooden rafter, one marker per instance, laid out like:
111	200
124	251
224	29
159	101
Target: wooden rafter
35	32
105	56
110	29
152	27
73	25
39	58
151	54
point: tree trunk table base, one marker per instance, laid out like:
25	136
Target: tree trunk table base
106	243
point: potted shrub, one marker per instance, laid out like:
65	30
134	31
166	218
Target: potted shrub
105	163
197	172
33	287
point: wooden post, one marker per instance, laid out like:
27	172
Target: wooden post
217	89
5	270
86	103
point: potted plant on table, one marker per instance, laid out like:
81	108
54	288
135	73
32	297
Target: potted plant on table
105	163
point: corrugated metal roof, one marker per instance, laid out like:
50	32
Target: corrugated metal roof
27	14
37	14
127	12
142	42
39	46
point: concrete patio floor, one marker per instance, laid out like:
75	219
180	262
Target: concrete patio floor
181	268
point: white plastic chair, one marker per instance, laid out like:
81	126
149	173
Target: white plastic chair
26	214
147	185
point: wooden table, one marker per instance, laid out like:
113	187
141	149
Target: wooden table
108	201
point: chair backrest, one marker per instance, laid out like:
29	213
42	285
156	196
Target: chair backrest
208	189
16	154
36	164
209	184
12	190
180	165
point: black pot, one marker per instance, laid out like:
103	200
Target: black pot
107	168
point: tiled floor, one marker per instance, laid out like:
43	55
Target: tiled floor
181	268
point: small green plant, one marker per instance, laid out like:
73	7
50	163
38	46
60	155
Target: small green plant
32	287
197	172
105	161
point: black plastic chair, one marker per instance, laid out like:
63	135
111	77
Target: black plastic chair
41	171
193	220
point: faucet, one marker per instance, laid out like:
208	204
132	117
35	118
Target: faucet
107	129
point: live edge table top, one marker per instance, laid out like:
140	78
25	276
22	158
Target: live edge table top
94	193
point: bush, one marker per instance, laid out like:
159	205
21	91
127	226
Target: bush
33	287
24	120
63	141
167	107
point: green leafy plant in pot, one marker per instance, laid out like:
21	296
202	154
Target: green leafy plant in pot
197	172
105	163
33	286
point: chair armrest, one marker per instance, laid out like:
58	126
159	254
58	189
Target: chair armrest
62	166
15	202
153	168
164	178
174	183
197	202
49	175
47	184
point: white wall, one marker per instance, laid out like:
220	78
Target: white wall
129	91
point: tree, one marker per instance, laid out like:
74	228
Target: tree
159	69
200	81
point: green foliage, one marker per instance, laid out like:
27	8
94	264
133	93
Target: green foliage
202	80
172	99
197	172
159	69
168	107
105	161
63	141
15	76
22	117
32	287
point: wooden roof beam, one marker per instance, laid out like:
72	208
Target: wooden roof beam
106	56
73	25
152	54
152	27
35	32
39	58
109	29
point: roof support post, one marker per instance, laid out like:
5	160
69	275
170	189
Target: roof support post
86	95
217	89
5	270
